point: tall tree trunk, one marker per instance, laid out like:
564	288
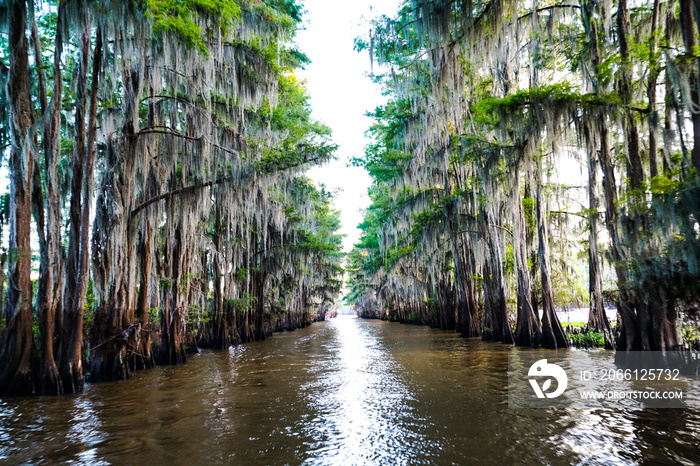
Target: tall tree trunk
471	326
44	314
653	117
688	33
527	331
77	270
496	325
113	335
597	319
532	248
77	168
50	282
467	320
553	334
220	319
172	350
18	352
631	131
143	356
627	313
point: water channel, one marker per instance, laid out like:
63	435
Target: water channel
345	391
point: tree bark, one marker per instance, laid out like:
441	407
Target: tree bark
114	335
634	159
172	350
597	319
220	318
626	311
467	320
653	117
553	334
143	357
527	332
77	169
49	294
19	353
496	325
471	326
71	357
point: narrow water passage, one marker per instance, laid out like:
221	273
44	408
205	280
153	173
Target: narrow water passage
346	391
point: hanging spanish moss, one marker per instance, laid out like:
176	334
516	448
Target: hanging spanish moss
518	169
187	122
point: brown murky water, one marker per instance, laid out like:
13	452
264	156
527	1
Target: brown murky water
346	391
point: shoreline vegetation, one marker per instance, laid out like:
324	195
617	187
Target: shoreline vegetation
535	156
580	334
157	153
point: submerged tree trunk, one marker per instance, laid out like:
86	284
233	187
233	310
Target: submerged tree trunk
597	319
527	331
73	258
553	335
49	297
143	358
113	336
627	314
18	356
470	324
71	357
221	320
172	348
467	320
47	366
496	325
600	128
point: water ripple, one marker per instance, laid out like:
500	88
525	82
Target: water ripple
346	391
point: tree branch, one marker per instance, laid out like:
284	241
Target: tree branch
166	130
172	132
502	228
177	192
550	7
563	212
172	97
196	187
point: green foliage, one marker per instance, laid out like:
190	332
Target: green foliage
89	298
509	260
690	334
306	140
154	316
242	305
532	103
590	339
180	17
383	160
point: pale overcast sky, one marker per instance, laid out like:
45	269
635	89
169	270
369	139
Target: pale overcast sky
340	94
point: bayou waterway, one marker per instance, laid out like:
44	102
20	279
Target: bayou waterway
345	391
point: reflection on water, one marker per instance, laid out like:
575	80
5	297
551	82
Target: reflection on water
345	391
